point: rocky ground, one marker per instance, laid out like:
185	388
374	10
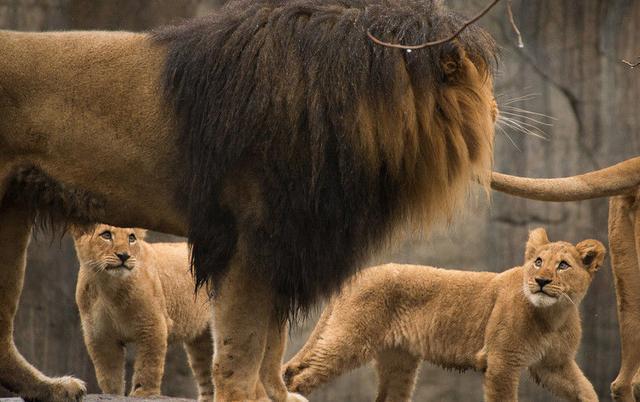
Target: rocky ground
113	398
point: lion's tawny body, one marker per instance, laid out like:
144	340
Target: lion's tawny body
275	135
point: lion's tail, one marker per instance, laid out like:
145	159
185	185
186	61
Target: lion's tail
614	180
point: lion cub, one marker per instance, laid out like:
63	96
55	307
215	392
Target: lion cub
526	317
133	292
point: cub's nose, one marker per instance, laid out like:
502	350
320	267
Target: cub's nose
542	282
124	257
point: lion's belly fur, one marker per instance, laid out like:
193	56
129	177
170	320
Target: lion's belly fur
85	109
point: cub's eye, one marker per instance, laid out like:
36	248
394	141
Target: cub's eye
563	265
106	235
132	238
538	262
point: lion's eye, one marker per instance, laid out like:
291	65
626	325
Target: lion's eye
563	265
106	235
132	238
538	262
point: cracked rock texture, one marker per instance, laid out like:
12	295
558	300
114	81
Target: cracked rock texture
571	68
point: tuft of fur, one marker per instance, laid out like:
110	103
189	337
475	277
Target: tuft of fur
54	205
342	140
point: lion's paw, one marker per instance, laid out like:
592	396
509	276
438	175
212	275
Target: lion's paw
293	397
67	389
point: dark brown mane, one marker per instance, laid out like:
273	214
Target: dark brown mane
338	131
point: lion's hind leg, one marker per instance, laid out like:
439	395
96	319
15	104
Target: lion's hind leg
200	352
624	226
16	374
397	371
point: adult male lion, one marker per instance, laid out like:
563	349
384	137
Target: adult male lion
275	134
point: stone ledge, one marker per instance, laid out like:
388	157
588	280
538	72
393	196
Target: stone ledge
115	398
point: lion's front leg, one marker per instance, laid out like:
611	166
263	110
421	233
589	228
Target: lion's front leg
242	312
16	374
271	369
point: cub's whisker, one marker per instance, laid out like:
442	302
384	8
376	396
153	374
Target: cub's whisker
568	298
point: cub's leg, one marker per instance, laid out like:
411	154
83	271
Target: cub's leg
501	379
296	364
270	371
624	263
397	371
565	381
151	350
16	374
200	353
343	346
107	355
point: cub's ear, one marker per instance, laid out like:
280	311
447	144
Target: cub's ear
537	238
592	254
452	61
140	233
77	231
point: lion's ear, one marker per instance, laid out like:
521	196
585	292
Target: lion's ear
592	254
537	238
452	61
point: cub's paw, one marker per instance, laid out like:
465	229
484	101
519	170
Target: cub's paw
67	389
293	397
142	392
291	371
621	392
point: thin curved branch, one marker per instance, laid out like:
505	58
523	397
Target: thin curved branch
513	24
436	42
632	65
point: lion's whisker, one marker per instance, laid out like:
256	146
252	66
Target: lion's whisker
522	98
526	118
526	124
502	130
517	109
514	127
521	128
